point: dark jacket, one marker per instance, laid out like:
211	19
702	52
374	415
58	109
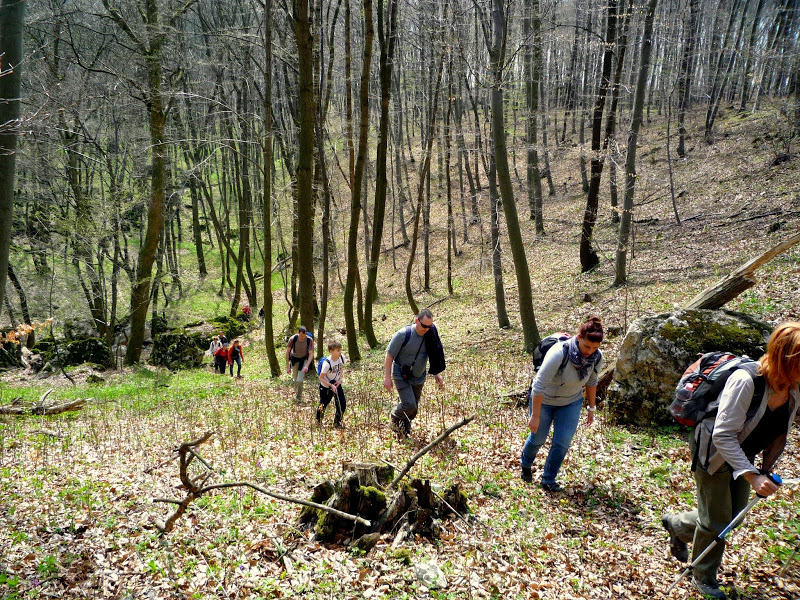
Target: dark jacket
433	346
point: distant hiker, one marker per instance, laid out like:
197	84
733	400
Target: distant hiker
409	350
212	349
755	412
330	383
236	355
299	356
222	338
261	315
247	312
557	398
221	358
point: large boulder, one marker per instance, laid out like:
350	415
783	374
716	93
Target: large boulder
178	350
656	351
79	329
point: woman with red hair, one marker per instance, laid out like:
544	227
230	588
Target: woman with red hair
557	398
746	424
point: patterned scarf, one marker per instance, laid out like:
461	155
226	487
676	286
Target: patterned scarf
583	363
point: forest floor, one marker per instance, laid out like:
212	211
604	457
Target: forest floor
76	490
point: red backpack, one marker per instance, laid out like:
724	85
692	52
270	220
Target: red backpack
702	383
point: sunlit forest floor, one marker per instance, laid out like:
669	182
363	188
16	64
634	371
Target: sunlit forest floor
77	489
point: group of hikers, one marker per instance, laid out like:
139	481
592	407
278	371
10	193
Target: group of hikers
751	416
225	354
410	350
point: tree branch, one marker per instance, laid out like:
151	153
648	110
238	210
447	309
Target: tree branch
428	448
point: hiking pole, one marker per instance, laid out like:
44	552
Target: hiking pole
724	533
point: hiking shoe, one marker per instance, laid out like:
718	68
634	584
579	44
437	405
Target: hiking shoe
337	425
526	475
710	590
552	488
677	547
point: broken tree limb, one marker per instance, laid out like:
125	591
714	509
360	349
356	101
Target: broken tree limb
39	408
55	409
739	280
333	511
428	448
196	488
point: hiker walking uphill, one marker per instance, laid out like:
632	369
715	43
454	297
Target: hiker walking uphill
408	352
557	398
236	355
299	357
221	355
752	415
330	384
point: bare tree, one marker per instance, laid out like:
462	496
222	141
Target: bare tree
633	136
12	23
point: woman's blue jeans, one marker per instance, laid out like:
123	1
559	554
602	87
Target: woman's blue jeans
564	420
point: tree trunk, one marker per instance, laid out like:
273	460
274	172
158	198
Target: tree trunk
531	28
723	70
387	36
305	163
12	24
497	256
140	295
355	189
497	56
685	78
589	259
633	136
269	334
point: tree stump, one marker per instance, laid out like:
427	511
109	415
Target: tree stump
362	491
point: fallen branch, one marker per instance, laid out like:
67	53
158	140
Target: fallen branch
428	448
196	487
40	408
739	280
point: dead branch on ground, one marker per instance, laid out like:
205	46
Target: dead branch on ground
187	453
428	448
17	407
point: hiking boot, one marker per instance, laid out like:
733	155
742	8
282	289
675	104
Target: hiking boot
709	589
677	547
526	475
337	425
401	427
552	488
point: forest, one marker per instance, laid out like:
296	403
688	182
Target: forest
171	167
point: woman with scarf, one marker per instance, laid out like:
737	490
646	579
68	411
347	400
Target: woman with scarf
557	398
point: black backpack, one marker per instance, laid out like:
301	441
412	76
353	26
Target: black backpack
542	347
703	382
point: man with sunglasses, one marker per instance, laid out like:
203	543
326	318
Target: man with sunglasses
408	353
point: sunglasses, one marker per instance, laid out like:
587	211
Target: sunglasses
421	324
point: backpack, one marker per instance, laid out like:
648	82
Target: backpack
542	347
319	364
325	359
702	383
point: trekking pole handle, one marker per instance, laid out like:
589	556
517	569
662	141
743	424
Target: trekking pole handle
774	478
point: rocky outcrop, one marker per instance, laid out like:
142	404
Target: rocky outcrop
79	329
179	350
656	351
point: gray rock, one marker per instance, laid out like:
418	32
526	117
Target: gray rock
176	350
430	575
657	350
32	362
79	329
